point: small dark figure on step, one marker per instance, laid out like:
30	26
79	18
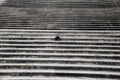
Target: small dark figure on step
57	38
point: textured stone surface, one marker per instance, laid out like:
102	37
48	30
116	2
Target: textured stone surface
60	14
89	48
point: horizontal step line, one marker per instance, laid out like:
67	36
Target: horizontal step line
62	41
50	78
53	49
76	31
60	65
71	24
62	59
62	37
59	71
62	20
76	1
62	54
44	78
54	33
58	28
60	45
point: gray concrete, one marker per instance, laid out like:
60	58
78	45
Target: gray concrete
89	48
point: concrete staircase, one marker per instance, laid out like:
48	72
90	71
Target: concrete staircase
60	19
89	48
80	54
60	14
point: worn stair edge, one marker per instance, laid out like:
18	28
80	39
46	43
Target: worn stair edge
62	59
60	65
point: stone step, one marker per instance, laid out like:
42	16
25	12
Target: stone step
60	60
81	38
58	31
61	20
53	4
55	27
112	55
47	28
50	78
63	55
87	44
57	66
61	41
92	25
30	1
87	28
95	74
61	46
71	25
81	35
62	32
57	49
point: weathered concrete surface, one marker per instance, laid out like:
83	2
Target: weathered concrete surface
89	48
57	14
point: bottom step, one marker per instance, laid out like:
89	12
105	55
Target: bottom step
67	73
50	78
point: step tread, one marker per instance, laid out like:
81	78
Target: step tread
62	59
60	65
63	54
56	49
50	78
58	71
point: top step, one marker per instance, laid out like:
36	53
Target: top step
62	3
